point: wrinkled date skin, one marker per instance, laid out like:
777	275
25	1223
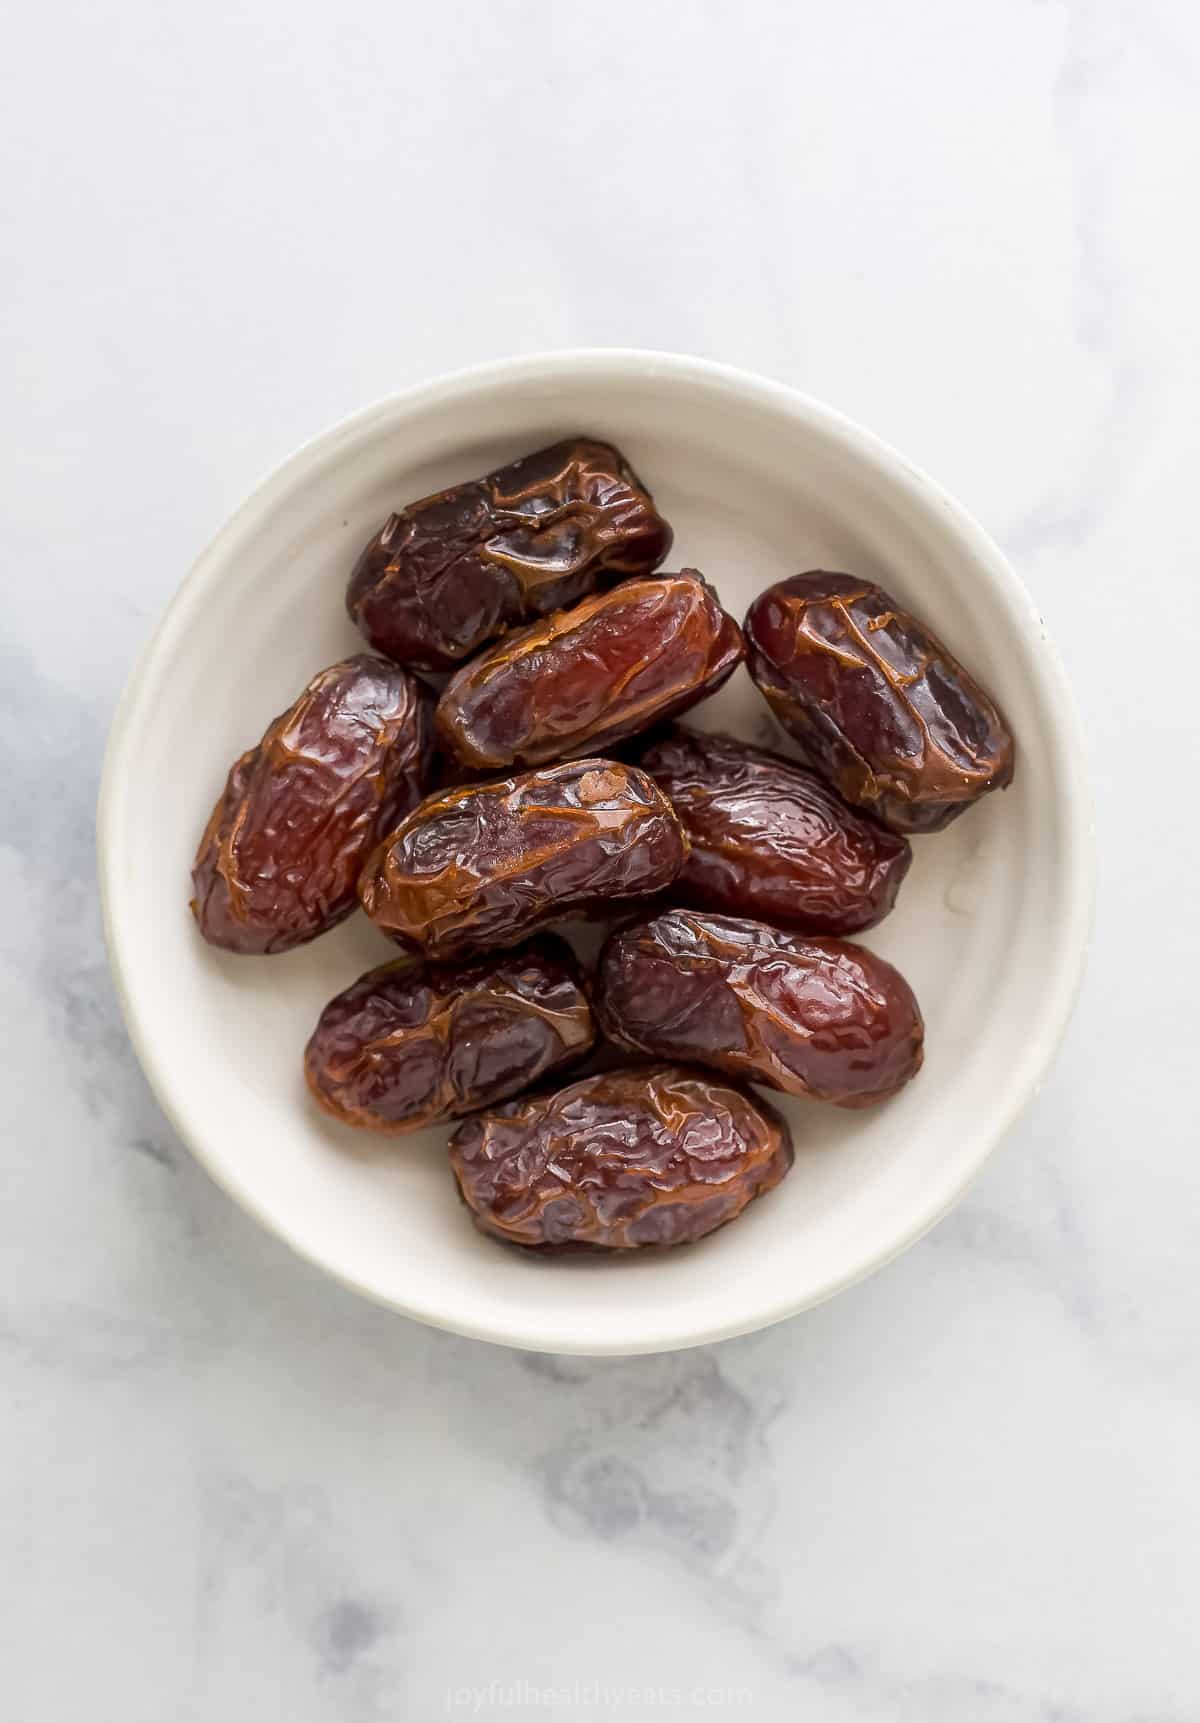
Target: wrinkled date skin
281	854
653	1156
877	704
811	1016
485	865
414	1043
590	676
452	571
772	840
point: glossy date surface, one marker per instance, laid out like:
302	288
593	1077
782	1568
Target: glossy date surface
810	1016
450	572
771	840
655	1156
876	703
590	676
483	866
280	857
410	1044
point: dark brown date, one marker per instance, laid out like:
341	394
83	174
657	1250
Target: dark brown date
877	704
772	840
588	677
485	865
810	1016
413	1043
452	571
300	813
660	1156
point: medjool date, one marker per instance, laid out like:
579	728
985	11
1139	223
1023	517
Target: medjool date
642	1157
587	677
876	703
413	1043
301	811
452	571
817	1017
485	865
770	839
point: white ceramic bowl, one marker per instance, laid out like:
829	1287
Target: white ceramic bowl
991	926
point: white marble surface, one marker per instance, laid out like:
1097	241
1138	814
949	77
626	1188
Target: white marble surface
967	1491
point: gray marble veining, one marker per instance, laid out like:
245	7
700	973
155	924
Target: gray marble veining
964	1492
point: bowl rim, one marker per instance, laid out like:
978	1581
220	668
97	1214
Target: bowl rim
1066	743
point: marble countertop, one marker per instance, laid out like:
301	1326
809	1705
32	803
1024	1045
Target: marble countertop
967	1491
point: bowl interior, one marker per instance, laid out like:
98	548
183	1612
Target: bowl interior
989	929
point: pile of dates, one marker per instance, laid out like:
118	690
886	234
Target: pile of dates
548	780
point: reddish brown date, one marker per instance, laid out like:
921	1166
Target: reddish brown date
816	1017
414	1043
772	840
588	677
877	704
483	866
654	1156
452	571
300	813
